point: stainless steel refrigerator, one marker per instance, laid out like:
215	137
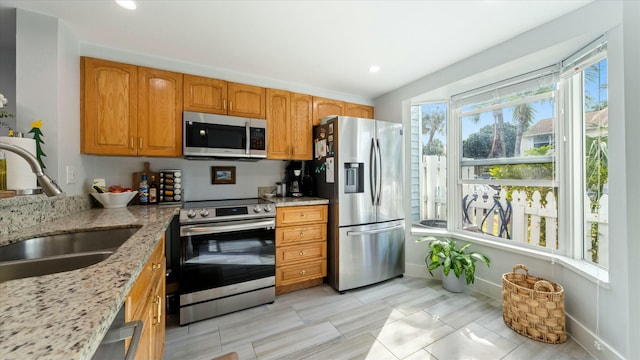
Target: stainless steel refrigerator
359	167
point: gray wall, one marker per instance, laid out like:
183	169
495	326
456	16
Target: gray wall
537	48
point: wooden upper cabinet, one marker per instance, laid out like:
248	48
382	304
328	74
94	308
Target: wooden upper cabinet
129	110
278	124
360	111
246	100
289	131
203	94
323	107
302	126
159	112
108	107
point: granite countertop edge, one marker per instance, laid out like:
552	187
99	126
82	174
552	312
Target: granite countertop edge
66	315
301	201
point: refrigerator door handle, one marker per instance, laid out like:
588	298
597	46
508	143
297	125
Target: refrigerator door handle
373	176
379	173
371	232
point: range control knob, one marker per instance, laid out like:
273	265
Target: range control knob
191	214
204	213
257	209
268	208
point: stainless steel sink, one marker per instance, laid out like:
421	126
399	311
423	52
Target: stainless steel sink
11	270
59	253
71	243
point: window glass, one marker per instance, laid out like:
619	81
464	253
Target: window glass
431	121
596	169
507	166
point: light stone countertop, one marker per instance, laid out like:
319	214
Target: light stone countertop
301	201
66	315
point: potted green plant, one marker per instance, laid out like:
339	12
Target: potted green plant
444	253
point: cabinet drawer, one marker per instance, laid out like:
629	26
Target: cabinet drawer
291	274
296	215
294	254
152	269
295	235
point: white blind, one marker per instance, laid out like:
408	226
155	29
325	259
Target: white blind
535	79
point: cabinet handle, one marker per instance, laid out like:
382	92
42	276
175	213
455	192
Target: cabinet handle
301	234
303	215
302	272
132	142
302	253
140	142
155	266
158	303
224	104
230	105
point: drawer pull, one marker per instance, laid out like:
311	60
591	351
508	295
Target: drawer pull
301	234
155	266
303	215
302	253
302	272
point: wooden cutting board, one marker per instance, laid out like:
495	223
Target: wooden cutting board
7	194
137	178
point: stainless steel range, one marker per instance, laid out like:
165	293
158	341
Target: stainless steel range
227	257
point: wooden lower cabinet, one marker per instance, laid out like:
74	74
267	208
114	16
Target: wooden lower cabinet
146	302
301	247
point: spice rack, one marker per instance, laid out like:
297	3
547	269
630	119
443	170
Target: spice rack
170	188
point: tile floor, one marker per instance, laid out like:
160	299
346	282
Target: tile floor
403	318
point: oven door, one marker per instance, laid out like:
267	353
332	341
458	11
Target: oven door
221	254
223	136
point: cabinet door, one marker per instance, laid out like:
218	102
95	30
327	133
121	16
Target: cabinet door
159	112
278	129
324	107
246	100
357	110
202	94
301	138
108	107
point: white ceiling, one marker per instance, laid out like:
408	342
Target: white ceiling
320	44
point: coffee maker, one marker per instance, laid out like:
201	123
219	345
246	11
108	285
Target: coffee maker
294	179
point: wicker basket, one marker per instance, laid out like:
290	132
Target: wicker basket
533	306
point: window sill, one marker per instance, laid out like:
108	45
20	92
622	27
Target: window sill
582	268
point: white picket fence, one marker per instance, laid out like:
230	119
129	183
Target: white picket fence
522	219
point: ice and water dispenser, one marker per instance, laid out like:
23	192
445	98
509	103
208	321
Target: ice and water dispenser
353	177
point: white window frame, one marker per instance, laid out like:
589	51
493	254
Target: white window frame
569	139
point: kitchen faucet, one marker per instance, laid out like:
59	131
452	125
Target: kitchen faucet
49	187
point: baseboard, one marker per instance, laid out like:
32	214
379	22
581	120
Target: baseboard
575	329
587	340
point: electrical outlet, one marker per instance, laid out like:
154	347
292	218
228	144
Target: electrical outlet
597	345
71	174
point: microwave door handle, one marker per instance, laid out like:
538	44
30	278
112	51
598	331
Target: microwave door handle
247	126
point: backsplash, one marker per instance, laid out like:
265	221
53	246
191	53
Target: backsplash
21	212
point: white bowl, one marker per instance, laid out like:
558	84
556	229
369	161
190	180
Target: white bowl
269	196
114	200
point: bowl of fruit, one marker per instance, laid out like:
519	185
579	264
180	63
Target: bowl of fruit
115	197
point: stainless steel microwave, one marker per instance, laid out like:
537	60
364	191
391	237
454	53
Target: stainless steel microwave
220	136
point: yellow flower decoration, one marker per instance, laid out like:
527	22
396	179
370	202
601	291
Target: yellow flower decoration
37	124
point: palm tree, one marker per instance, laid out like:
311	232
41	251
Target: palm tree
498	149
433	123
523	115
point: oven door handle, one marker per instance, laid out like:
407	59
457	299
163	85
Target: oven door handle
222	228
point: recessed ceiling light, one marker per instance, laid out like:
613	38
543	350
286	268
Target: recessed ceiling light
127	4
374	68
